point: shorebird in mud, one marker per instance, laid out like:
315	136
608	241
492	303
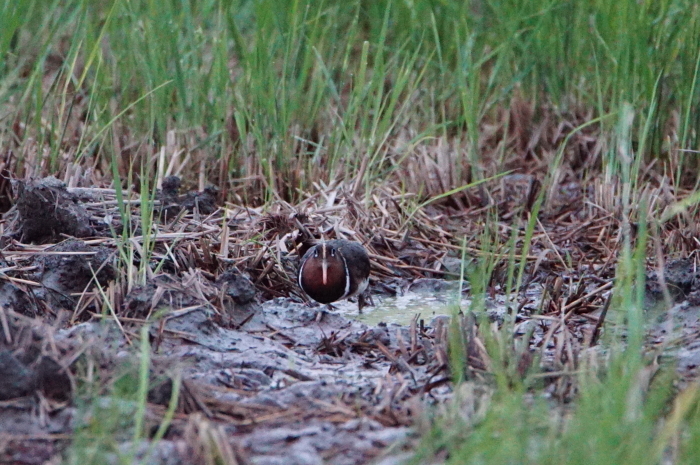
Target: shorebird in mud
335	270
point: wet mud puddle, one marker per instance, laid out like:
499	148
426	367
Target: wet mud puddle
426	298
399	310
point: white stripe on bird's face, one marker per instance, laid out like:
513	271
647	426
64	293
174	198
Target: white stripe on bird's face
324	263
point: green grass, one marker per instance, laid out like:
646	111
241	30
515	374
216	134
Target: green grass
112	411
626	410
615	420
281	94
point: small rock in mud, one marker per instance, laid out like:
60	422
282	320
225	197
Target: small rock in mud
47	211
70	268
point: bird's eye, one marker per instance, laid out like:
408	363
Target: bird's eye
332	252
315	253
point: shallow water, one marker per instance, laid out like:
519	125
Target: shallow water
401	309
426	301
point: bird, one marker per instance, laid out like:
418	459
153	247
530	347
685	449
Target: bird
335	270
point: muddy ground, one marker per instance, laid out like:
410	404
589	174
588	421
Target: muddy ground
265	379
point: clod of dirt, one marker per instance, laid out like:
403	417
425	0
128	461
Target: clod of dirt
232	292
168	293
47	211
173	203
169	197
171	188
204	202
240	291
71	268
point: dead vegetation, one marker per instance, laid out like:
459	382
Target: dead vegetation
189	260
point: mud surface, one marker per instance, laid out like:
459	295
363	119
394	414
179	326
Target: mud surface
285	388
282	382
268	381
